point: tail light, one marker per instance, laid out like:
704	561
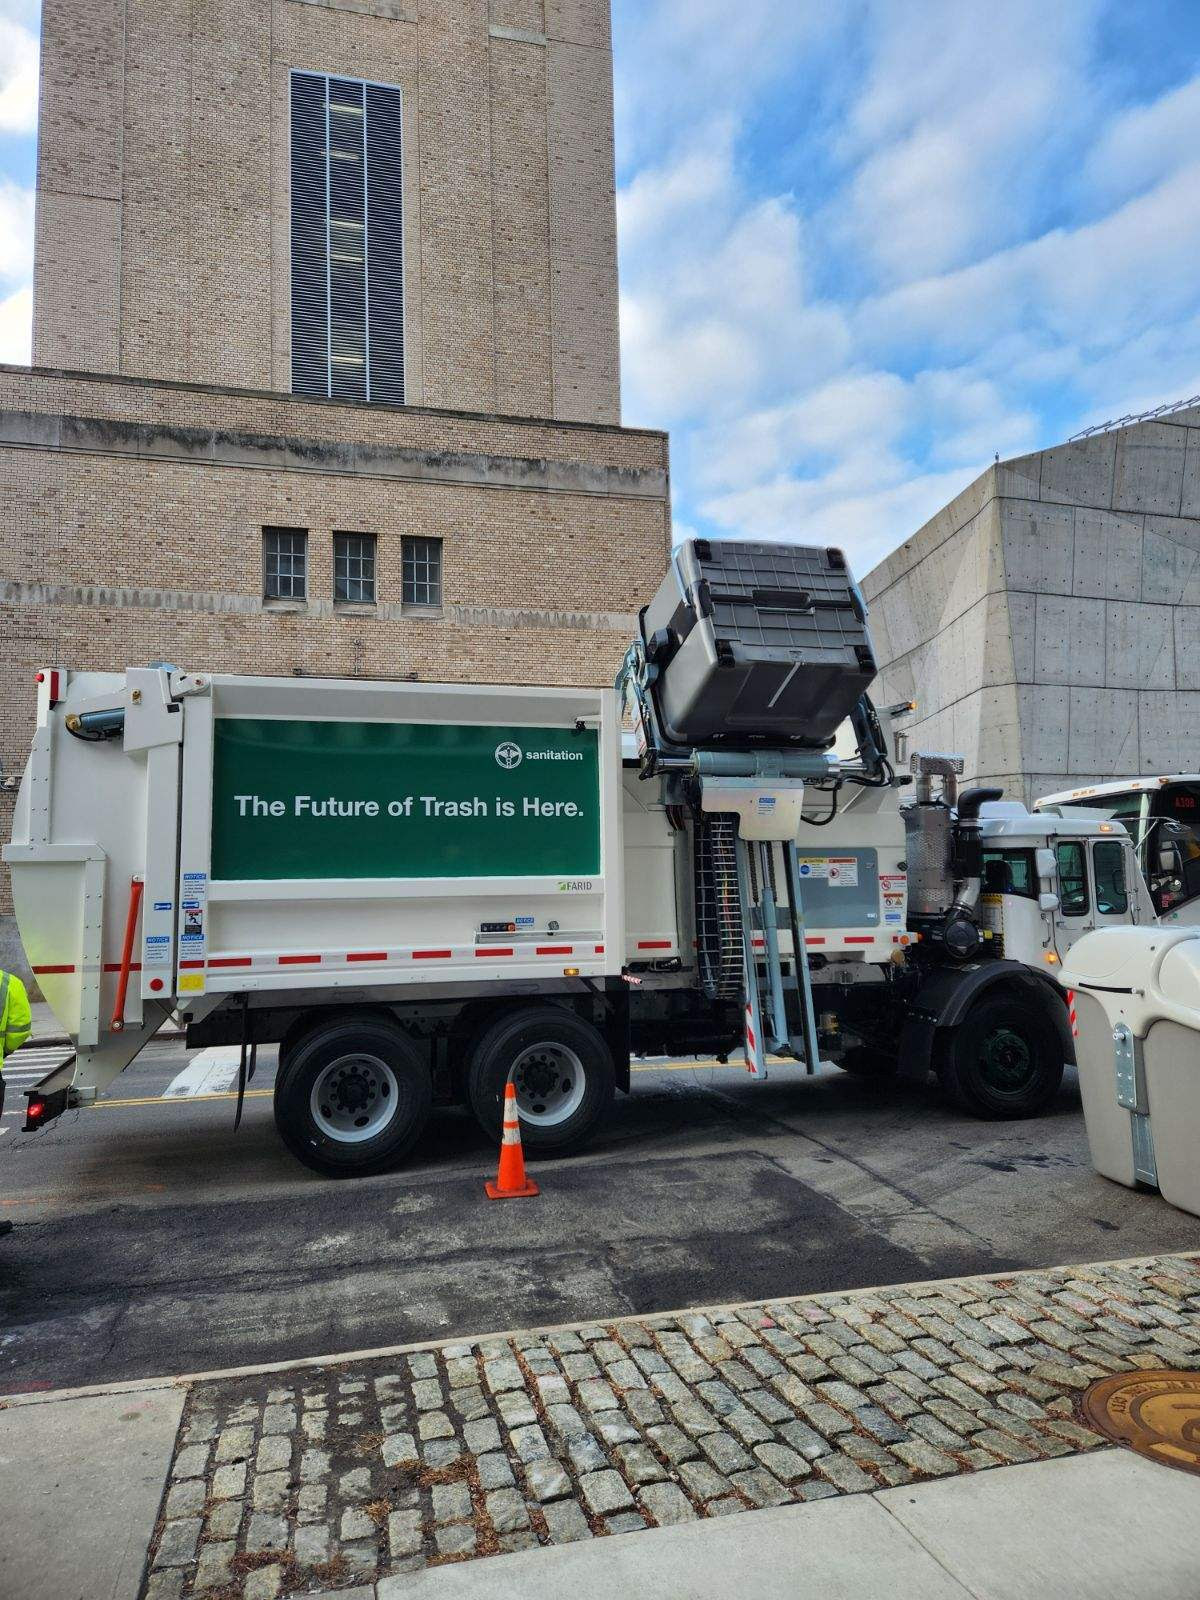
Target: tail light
43	1108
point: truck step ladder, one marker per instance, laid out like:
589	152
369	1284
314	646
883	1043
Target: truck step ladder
766	1029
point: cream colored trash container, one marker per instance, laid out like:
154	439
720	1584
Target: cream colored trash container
1137	1001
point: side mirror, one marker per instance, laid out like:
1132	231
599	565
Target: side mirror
1048	902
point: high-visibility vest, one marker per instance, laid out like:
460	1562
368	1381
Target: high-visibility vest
15	1018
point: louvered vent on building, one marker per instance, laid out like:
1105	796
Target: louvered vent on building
347	240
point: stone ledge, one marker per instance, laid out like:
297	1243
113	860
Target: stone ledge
32	430
215	602
315	404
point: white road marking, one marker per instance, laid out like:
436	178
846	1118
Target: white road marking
212	1071
32	1063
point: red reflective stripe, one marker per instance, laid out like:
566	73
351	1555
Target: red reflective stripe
367	955
41	970
858	938
599	949
230	961
191	964
758	943
555	950
814	938
109	966
654	944
432	955
494	951
297	961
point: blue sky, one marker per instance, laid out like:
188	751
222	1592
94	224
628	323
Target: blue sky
864	245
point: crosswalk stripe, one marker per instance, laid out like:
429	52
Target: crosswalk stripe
211	1071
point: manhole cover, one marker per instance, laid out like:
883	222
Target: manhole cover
1155	1413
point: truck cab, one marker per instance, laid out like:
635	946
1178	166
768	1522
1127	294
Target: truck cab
1048	880
1161	815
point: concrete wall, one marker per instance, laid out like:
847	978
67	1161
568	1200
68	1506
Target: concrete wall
1047	621
163	191
133	532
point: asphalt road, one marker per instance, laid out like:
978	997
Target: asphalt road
152	1239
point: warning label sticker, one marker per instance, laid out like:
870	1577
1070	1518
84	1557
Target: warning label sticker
840	872
892	887
193	904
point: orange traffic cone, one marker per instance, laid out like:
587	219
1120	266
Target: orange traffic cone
511	1181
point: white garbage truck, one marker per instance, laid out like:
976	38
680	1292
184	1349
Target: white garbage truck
418	890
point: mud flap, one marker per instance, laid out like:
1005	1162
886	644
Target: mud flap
916	1049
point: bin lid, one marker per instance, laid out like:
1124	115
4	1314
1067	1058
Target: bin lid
1139	975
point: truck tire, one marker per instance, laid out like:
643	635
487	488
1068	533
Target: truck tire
352	1097
563	1073
1003	1061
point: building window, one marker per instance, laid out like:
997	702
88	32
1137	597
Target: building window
285	563
422	572
354	567
347	240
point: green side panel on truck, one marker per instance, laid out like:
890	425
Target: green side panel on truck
331	799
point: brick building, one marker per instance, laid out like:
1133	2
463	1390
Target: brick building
325	349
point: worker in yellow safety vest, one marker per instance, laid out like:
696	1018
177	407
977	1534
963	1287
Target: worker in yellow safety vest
15	1023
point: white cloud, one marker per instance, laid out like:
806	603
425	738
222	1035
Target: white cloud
792	415
16	231
1146	143
828	423
16	266
866	505
961	108
968	417
714	311
16	327
18	72
1101	282
684	62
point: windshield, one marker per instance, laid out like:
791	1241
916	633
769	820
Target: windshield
1123	808
1172	846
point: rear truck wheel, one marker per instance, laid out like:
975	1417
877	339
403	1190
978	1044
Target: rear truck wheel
1004	1060
563	1073
352	1098
865	1061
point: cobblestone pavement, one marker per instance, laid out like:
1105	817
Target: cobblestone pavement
328	1478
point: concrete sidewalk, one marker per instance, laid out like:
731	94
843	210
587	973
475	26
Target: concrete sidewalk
1084	1528
930	1428
81	1483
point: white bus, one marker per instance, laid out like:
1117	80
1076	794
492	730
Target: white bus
1162	817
